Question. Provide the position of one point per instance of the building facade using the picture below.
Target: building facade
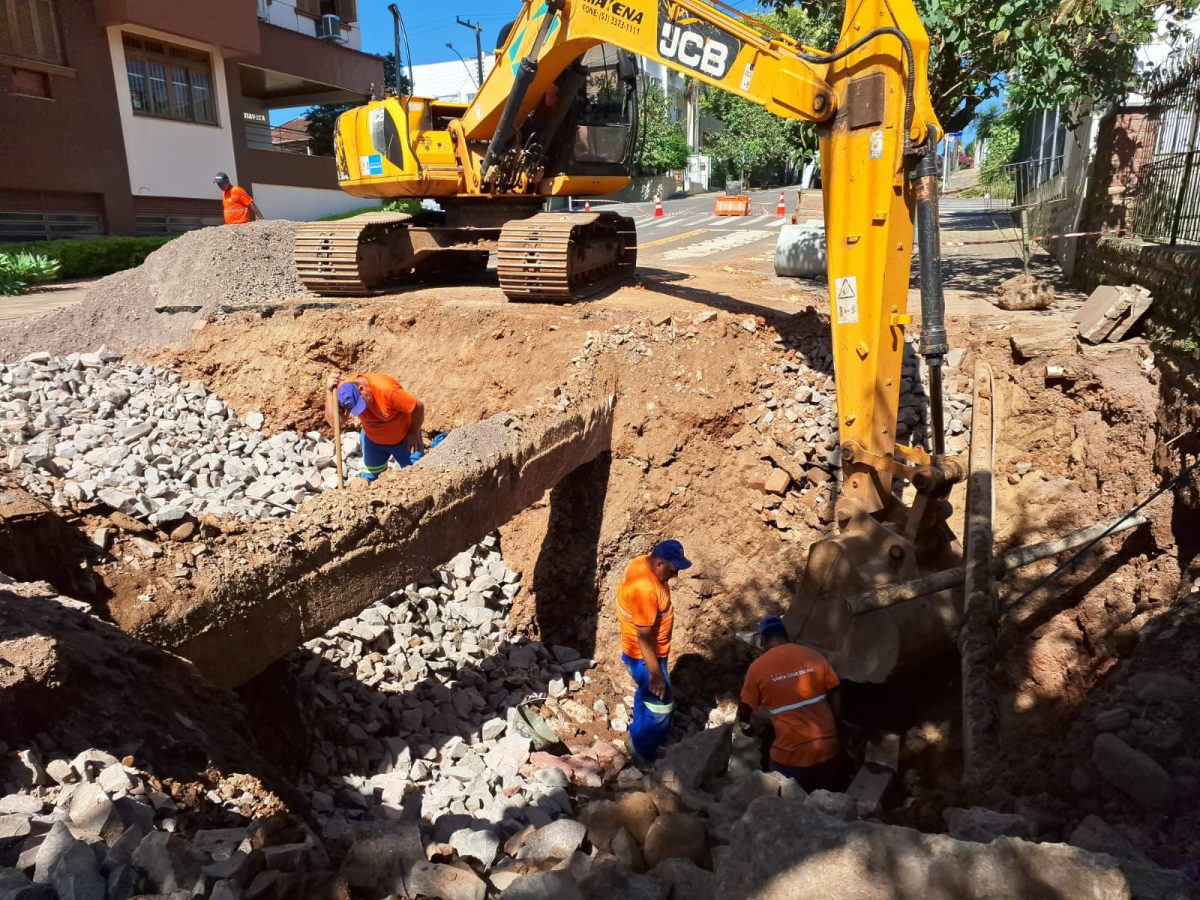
(117, 112)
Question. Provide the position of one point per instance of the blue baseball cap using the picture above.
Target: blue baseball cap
(351, 400)
(769, 624)
(672, 552)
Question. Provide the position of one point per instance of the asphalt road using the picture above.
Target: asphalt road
(689, 230)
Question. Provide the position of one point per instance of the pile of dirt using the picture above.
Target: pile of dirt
(187, 280)
(70, 682)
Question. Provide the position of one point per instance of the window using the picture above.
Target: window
(29, 30)
(346, 10)
(169, 82)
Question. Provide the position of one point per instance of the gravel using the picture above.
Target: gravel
(189, 279)
(89, 427)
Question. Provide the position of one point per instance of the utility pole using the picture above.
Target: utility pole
(478, 29)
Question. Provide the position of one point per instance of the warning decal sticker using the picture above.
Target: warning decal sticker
(847, 300)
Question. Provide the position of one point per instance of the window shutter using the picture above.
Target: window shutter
(47, 31)
(348, 10)
(309, 7)
(24, 34)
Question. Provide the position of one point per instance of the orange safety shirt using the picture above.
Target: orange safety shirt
(236, 204)
(791, 682)
(643, 600)
(388, 415)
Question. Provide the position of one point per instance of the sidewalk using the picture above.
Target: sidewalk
(46, 298)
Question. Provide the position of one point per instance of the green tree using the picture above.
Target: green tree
(754, 137)
(322, 120)
(1042, 53)
(663, 145)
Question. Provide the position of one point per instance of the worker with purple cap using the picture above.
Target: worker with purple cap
(647, 620)
(794, 688)
(391, 419)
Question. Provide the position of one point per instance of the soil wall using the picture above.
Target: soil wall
(1173, 275)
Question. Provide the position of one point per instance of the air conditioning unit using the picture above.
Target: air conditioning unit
(329, 28)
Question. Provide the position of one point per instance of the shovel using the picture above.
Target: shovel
(337, 443)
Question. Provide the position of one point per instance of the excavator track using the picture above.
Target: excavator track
(559, 257)
(338, 258)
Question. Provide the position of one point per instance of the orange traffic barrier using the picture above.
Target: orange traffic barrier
(781, 207)
(587, 205)
(732, 206)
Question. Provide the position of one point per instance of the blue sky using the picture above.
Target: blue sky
(431, 25)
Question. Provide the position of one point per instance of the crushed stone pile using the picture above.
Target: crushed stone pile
(415, 705)
(89, 427)
(193, 277)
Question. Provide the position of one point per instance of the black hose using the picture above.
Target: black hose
(909, 81)
(1168, 486)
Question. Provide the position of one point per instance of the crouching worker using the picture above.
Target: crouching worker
(391, 419)
(795, 689)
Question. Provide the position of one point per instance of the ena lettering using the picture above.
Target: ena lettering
(632, 16)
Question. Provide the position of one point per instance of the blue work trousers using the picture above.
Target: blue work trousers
(651, 725)
(376, 456)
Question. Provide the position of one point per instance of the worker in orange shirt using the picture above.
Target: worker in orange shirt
(797, 689)
(239, 207)
(391, 419)
(647, 620)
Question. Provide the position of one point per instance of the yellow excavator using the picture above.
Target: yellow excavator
(557, 116)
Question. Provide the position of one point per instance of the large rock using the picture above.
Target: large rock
(75, 874)
(635, 812)
(684, 880)
(445, 882)
(676, 836)
(1146, 879)
(379, 863)
(1132, 772)
(170, 862)
(983, 825)
(609, 881)
(697, 759)
(543, 886)
(558, 840)
(781, 850)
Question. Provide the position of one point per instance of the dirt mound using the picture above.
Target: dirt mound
(74, 682)
(156, 304)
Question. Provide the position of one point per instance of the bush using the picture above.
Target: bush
(91, 257)
(19, 271)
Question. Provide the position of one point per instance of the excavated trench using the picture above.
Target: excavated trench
(707, 407)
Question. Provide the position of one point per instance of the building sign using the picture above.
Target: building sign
(258, 118)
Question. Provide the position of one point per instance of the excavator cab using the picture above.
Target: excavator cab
(606, 125)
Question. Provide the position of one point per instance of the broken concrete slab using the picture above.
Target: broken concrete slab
(781, 850)
(1132, 772)
(1055, 340)
(257, 596)
(1111, 312)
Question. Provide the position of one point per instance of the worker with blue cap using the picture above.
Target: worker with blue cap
(647, 620)
(391, 419)
(795, 689)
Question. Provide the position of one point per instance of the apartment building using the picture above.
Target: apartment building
(116, 113)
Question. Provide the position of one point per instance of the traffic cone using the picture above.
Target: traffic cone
(658, 210)
(781, 207)
(587, 205)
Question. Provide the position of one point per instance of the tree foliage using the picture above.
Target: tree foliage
(322, 120)
(1043, 53)
(754, 137)
(662, 146)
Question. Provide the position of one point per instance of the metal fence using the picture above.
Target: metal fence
(1166, 203)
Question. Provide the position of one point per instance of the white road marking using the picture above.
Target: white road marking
(729, 241)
